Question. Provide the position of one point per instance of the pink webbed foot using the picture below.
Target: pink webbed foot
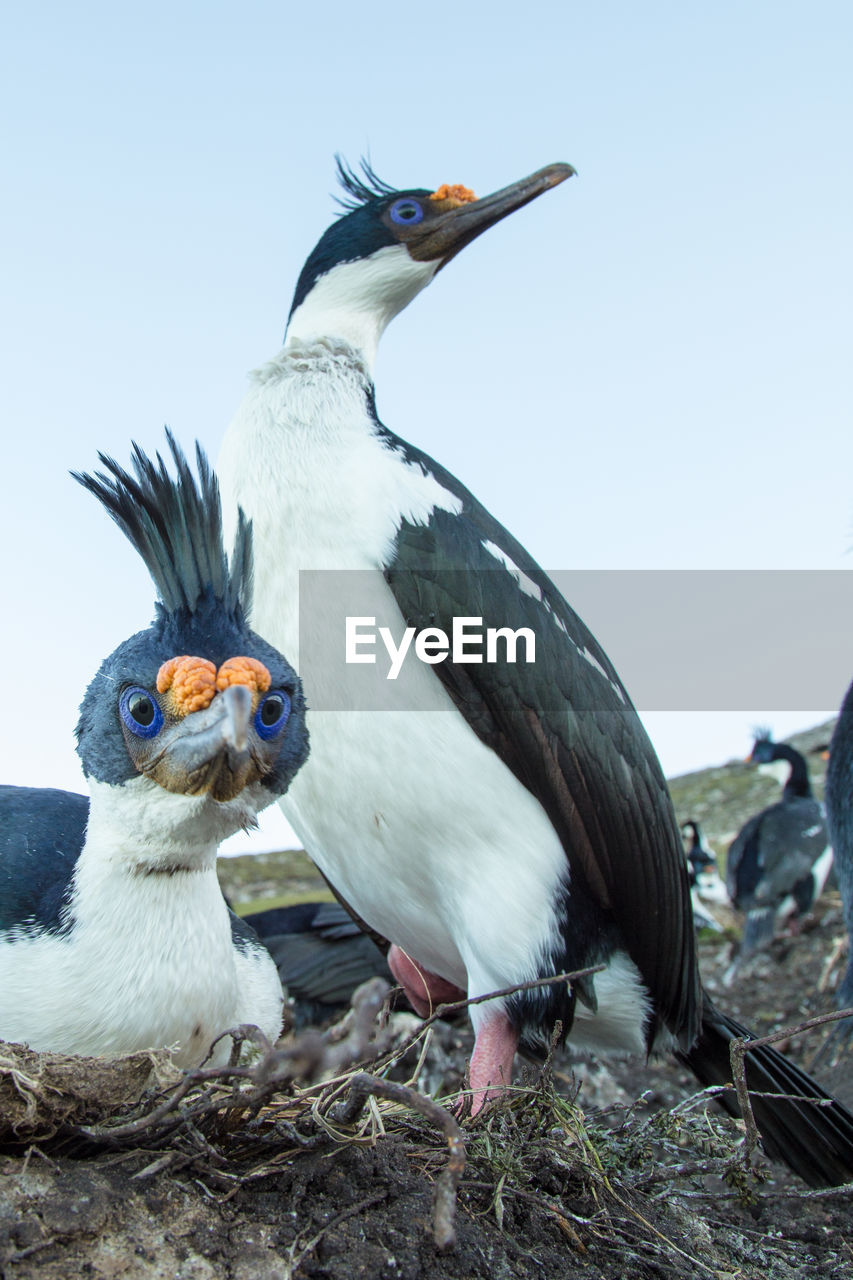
(490, 1072)
(425, 991)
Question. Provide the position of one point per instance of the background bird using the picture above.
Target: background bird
(703, 877)
(114, 934)
(506, 820)
(778, 862)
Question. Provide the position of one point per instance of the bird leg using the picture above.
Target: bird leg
(490, 1072)
(424, 990)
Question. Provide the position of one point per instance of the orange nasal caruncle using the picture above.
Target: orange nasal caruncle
(454, 193)
(192, 683)
(247, 671)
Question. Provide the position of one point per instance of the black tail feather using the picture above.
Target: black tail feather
(324, 971)
(815, 1140)
(321, 956)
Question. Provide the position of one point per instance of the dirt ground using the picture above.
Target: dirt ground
(598, 1185)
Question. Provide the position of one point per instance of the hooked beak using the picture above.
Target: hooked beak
(444, 236)
(208, 751)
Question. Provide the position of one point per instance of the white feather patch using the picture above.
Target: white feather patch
(148, 961)
(527, 585)
(356, 301)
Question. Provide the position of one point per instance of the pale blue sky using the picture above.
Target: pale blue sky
(647, 368)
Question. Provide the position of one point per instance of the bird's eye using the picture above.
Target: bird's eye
(406, 212)
(140, 712)
(271, 715)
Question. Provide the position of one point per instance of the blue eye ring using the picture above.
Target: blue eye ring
(140, 712)
(407, 212)
(272, 714)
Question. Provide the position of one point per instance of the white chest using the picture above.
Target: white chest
(149, 962)
(321, 489)
(416, 822)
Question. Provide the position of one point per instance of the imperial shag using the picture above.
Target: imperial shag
(114, 935)
(703, 877)
(778, 862)
(518, 824)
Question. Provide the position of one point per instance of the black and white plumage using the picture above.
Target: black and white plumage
(518, 824)
(839, 815)
(321, 954)
(114, 935)
(699, 857)
(778, 862)
(703, 877)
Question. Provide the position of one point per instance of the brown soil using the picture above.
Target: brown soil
(603, 1186)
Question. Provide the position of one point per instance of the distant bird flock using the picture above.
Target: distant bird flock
(496, 820)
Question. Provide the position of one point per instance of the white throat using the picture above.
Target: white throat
(356, 301)
(138, 826)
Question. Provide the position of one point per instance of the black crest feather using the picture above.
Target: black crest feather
(176, 526)
(359, 188)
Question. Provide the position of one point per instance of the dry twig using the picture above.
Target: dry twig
(741, 1046)
(364, 1086)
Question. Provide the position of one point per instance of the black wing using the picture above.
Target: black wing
(793, 836)
(743, 865)
(42, 832)
(321, 955)
(566, 728)
(775, 851)
(326, 919)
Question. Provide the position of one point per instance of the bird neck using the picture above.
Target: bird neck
(138, 828)
(798, 784)
(144, 898)
(356, 301)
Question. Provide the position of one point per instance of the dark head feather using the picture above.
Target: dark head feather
(176, 526)
(359, 189)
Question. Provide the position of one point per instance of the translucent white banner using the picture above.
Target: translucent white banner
(680, 641)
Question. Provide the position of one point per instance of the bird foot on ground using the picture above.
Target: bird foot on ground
(490, 1072)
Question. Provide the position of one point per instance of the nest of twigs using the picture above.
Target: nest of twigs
(43, 1094)
(235, 1124)
(232, 1123)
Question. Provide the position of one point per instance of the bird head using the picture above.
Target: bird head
(196, 705)
(763, 747)
(388, 245)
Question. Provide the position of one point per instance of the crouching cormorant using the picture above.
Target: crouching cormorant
(703, 877)
(778, 862)
(114, 934)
